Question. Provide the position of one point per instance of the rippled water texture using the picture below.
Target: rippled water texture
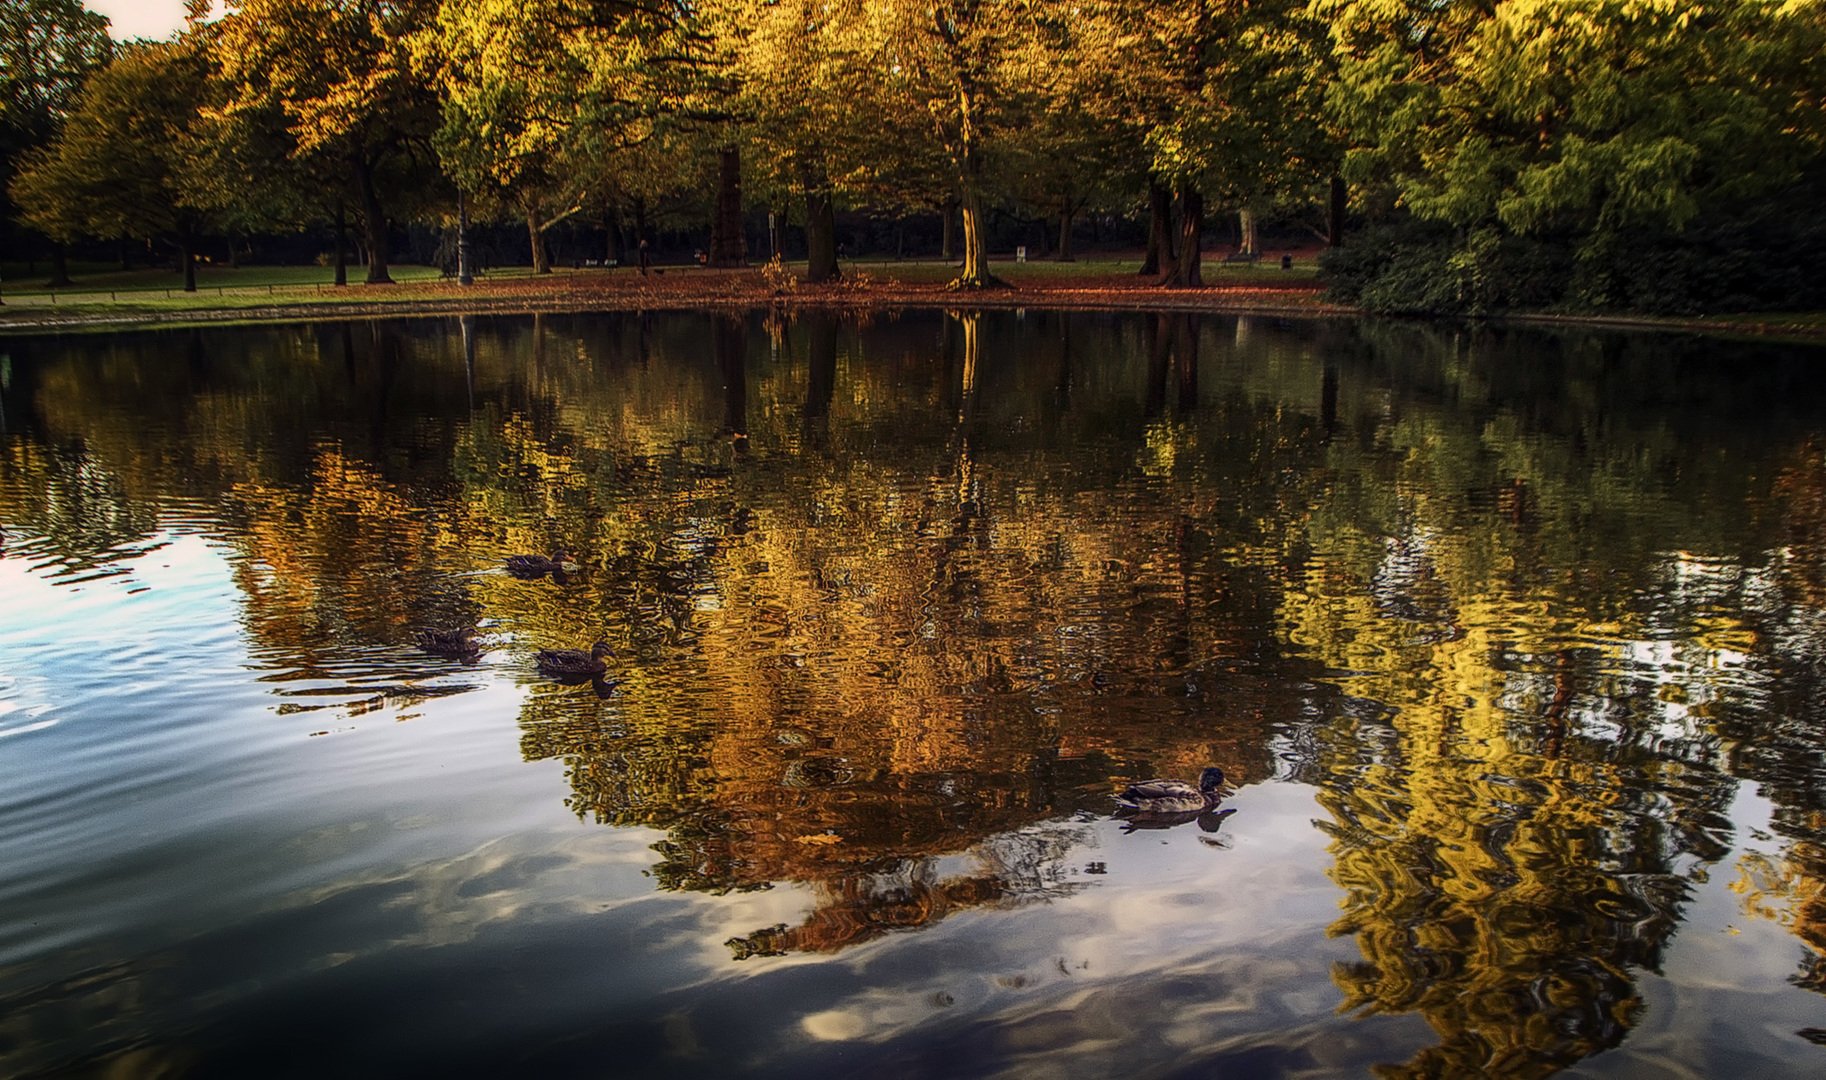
(1511, 643)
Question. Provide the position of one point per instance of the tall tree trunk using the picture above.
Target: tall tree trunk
(542, 260)
(611, 243)
(728, 246)
(820, 225)
(948, 243)
(1160, 231)
(773, 234)
(975, 272)
(375, 224)
(1066, 211)
(342, 244)
(60, 266)
(1334, 217)
(1245, 232)
(187, 252)
(234, 256)
(1186, 271)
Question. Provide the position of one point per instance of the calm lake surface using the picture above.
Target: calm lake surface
(1513, 645)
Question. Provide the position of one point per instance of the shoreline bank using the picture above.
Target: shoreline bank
(689, 289)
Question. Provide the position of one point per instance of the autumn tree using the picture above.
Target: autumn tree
(963, 75)
(339, 72)
(543, 101)
(1215, 91)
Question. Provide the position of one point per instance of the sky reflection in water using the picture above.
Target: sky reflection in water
(1511, 642)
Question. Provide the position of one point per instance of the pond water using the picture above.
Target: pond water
(1512, 645)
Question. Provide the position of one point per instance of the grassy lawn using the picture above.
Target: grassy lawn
(106, 289)
(1810, 319)
(1216, 272)
(91, 279)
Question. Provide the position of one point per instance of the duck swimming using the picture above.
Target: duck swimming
(1174, 796)
(574, 661)
(458, 644)
(532, 566)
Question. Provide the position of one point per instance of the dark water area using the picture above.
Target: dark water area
(1512, 645)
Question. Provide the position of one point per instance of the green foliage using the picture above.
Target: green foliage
(1619, 147)
(119, 168)
(47, 49)
(1426, 268)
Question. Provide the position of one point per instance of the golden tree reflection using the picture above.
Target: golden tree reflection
(888, 597)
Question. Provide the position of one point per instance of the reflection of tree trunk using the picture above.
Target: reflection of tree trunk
(342, 244)
(730, 341)
(1160, 354)
(1186, 270)
(1328, 401)
(1185, 361)
(348, 352)
(1160, 231)
(821, 379)
(728, 246)
(972, 351)
(375, 222)
(820, 223)
(959, 348)
(1062, 385)
(467, 324)
(387, 363)
(1564, 690)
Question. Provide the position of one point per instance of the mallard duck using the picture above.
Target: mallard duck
(459, 643)
(561, 562)
(1174, 796)
(574, 661)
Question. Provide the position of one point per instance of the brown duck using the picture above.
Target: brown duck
(458, 644)
(1174, 796)
(530, 566)
(574, 662)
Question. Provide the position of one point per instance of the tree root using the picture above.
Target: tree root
(976, 284)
